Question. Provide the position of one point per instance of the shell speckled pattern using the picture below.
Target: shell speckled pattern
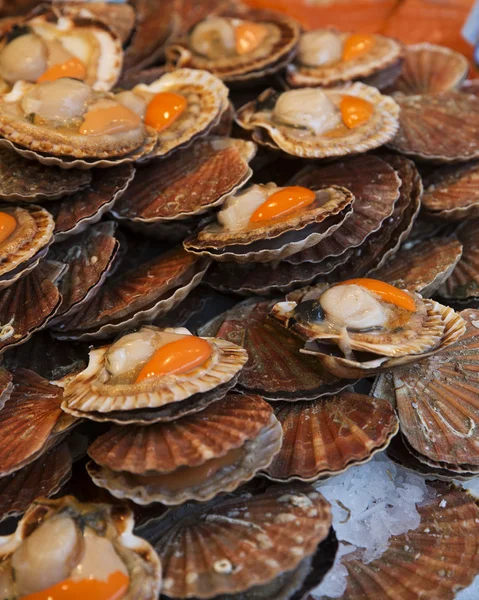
(429, 69)
(440, 127)
(189, 183)
(136, 296)
(275, 239)
(440, 555)
(112, 523)
(422, 267)
(384, 54)
(451, 193)
(275, 369)
(223, 527)
(327, 436)
(257, 117)
(268, 58)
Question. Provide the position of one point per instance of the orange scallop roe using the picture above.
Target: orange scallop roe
(7, 226)
(164, 109)
(73, 68)
(114, 588)
(248, 36)
(355, 111)
(282, 203)
(358, 45)
(177, 357)
(109, 121)
(385, 291)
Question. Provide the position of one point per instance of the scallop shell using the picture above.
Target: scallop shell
(136, 296)
(256, 116)
(44, 477)
(23, 180)
(276, 239)
(112, 522)
(451, 193)
(441, 127)
(423, 267)
(89, 257)
(327, 436)
(275, 369)
(224, 526)
(189, 183)
(440, 555)
(120, 18)
(385, 54)
(74, 214)
(258, 441)
(429, 69)
(6, 386)
(275, 53)
(207, 100)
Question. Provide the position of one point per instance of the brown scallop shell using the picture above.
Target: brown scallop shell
(381, 128)
(136, 296)
(77, 212)
(442, 127)
(23, 180)
(385, 54)
(451, 193)
(120, 18)
(44, 477)
(89, 257)
(245, 67)
(327, 436)
(440, 556)
(189, 183)
(6, 386)
(429, 69)
(276, 240)
(276, 370)
(422, 267)
(201, 547)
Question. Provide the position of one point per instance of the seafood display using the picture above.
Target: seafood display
(238, 258)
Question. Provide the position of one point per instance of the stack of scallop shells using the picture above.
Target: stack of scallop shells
(236, 258)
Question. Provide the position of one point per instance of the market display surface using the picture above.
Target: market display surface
(239, 308)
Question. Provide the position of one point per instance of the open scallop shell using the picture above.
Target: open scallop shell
(272, 55)
(120, 18)
(207, 100)
(327, 436)
(440, 555)
(451, 193)
(429, 69)
(385, 54)
(275, 240)
(224, 526)
(189, 183)
(275, 369)
(441, 127)
(257, 117)
(115, 523)
(422, 267)
(244, 424)
(136, 296)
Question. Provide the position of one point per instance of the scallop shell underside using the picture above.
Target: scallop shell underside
(463, 284)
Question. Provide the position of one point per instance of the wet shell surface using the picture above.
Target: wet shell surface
(247, 436)
(422, 267)
(120, 18)
(429, 69)
(270, 56)
(189, 183)
(325, 437)
(257, 116)
(113, 523)
(441, 554)
(385, 53)
(6, 386)
(224, 526)
(451, 193)
(275, 239)
(440, 127)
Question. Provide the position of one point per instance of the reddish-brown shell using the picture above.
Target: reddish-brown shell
(326, 436)
(463, 284)
(6, 386)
